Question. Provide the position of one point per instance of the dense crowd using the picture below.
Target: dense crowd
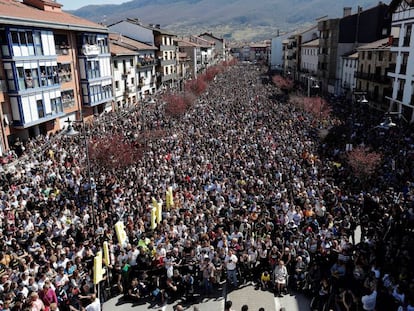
(253, 202)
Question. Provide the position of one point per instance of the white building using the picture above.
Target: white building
(402, 73)
(133, 65)
(349, 69)
(309, 57)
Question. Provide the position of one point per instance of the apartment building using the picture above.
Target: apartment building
(291, 56)
(133, 70)
(166, 53)
(374, 60)
(189, 51)
(402, 71)
(349, 72)
(340, 36)
(54, 66)
(207, 51)
(220, 49)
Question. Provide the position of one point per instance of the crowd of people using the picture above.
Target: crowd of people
(255, 200)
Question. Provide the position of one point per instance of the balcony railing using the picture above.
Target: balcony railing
(90, 50)
(383, 79)
(362, 75)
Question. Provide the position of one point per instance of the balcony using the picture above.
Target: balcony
(145, 63)
(168, 62)
(362, 75)
(382, 79)
(90, 50)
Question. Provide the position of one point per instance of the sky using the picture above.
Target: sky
(76, 4)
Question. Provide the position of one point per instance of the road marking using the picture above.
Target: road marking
(277, 303)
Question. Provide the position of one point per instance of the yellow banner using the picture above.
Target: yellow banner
(106, 253)
(97, 268)
(120, 233)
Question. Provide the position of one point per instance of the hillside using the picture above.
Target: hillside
(233, 19)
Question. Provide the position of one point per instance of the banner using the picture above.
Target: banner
(158, 210)
(169, 199)
(106, 253)
(120, 233)
(97, 268)
(153, 217)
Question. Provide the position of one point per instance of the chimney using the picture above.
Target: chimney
(359, 9)
(157, 26)
(347, 11)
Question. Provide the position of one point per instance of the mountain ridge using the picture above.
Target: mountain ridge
(240, 20)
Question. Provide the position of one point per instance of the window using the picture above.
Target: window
(380, 55)
(369, 55)
(131, 62)
(40, 108)
(64, 72)
(22, 41)
(115, 64)
(49, 75)
(363, 55)
(92, 69)
(56, 105)
(68, 99)
(117, 85)
(61, 44)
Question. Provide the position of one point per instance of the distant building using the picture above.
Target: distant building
(56, 66)
(153, 35)
(340, 36)
(373, 62)
(133, 70)
(402, 71)
(220, 48)
(349, 71)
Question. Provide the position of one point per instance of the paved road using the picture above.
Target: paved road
(243, 295)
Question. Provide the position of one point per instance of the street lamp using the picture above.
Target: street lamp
(71, 132)
(312, 83)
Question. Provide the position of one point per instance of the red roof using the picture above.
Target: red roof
(17, 13)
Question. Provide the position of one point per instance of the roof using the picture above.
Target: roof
(381, 44)
(311, 43)
(18, 13)
(206, 34)
(120, 50)
(129, 43)
(351, 54)
(182, 42)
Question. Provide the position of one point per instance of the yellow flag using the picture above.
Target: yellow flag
(158, 210)
(120, 233)
(153, 216)
(97, 268)
(106, 253)
(169, 199)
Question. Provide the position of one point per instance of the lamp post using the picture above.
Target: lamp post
(71, 132)
(312, 83)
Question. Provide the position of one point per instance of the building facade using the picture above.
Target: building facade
(373, 62)
(55, 66)
(402, 71)
(133, 70)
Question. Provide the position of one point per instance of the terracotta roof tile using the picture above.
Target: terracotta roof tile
(17, 13)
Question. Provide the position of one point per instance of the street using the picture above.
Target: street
(247, 294)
